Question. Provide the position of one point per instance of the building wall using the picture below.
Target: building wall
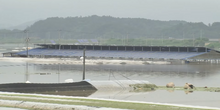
(209, 55)
(128, 48)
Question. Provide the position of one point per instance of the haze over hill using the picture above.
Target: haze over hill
(22, 26)
(115, 19)
(111, 27)
(16, 12)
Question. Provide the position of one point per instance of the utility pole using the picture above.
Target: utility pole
(59, 73)
(146, 41)
(59, 38)
(183, 36)
(84, 64)
(27, 74)
(151, 41)
(27, 41)
(193, 39)
(49, 37)
(201, 34)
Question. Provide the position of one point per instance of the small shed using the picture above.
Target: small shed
(9, 54)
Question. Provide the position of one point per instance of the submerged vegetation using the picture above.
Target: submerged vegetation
(210, 89)
(144, 87)
(150, 87)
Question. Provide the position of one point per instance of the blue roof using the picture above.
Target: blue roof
(111, 53)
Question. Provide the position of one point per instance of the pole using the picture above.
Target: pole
(146, 42)
(151, 41)
(27, 74)
(27, 49)
(59, 73)
(84, 64)
(201, 34)
(193, 39)
(59, 38)
(27, 41)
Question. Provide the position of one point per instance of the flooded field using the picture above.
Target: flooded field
(43, 72)
(200, 75)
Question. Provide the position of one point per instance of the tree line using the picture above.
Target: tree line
(107, 27)
(111, 27)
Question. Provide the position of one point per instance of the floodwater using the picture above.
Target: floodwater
(200, 75)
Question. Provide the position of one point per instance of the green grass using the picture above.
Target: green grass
(90, 102)
(106, 103)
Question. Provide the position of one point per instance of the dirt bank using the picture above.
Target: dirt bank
(78, 61)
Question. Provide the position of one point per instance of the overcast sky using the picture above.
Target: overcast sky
(19, 11)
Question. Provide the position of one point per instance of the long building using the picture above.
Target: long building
(123, 52)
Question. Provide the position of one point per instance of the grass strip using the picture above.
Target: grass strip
(92, 102)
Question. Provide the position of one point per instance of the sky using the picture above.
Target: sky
(15, 12)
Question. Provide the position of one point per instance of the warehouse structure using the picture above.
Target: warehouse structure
(123, 52)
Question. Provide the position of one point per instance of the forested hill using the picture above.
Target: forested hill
(110, 27)
(106, 26)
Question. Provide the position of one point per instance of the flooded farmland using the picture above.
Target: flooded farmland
(201, 75)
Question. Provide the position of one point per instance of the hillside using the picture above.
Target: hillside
(110, 27)
(96, 26)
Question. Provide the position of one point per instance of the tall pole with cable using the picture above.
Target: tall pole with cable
(27, 41)
(84, 64)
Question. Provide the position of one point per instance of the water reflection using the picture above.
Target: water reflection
(196, 98)
(200, 75)
(187, 92)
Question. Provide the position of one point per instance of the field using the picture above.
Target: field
(51, 102)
